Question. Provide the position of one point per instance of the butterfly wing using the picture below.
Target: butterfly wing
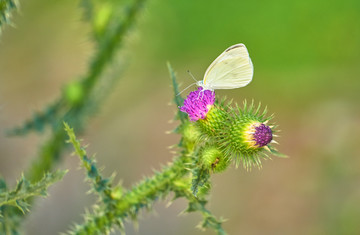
(232, 69)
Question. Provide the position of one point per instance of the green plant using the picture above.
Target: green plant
(216, 135)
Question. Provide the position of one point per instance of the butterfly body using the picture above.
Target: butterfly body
(231, 69)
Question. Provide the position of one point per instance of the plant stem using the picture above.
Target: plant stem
(142, 195)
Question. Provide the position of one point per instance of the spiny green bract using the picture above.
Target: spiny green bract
(215, 121)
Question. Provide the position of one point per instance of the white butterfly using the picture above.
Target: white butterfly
(231, 69)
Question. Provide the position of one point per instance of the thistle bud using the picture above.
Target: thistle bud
(74, 93)
(191, 135)
(249, 136)
(214, 159)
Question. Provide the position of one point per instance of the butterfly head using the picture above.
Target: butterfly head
(200, 83)
(204, 86)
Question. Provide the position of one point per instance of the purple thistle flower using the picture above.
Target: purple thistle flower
(258, 135)
(198, 103)
(262, 135)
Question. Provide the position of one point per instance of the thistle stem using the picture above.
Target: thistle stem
(142, 195)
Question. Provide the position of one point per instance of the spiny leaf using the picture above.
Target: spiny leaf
(201, 176)
(39, 120)
(100, 185)
(63, 109)
(209, 220)
(177, 98)
(6, 9)
(24, 189)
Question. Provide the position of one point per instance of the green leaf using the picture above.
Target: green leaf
(201, 176)
(177, 98)
(6, 10)
(24, 190)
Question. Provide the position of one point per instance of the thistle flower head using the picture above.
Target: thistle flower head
(198, 103)
(258, 134)
(249, 137)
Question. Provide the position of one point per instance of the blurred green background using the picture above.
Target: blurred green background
(306, 56)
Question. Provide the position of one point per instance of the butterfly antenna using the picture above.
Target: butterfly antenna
(191, 75)
(186, 88)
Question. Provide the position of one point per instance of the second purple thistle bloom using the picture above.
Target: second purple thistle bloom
(262, 135)
(198, 103)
